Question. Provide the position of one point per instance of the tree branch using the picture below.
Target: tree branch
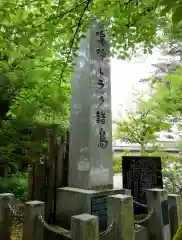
(25, 4)
(62, 15)
(132, 24)
(173, 182)
(74, 37)
(135, 122)
(131, 133)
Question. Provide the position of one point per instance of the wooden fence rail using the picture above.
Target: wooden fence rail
(165, 216)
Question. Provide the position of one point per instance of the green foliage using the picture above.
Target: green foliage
(43, 29)
(16, 184)
(172, 6)
(38, 41)
(31, 42)
(34, 89)
(117, 164)
(168, 95)
(117, 161)
(178, 235)
(141, 124)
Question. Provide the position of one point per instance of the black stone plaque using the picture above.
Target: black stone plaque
(139, 174)
(165, 213)
(99, 208)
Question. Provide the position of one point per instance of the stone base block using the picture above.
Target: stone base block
(74, 201)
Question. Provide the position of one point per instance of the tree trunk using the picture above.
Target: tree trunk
(142, 149)
(50, 175)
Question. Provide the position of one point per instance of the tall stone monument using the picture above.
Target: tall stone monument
(90, 156)
(90, 177)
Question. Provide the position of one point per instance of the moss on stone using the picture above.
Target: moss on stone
(178, 235)
(101, 187)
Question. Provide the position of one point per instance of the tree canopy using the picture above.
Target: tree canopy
(39, 40)
(142, 123)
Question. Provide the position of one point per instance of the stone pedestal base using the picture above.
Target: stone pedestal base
(74, 201)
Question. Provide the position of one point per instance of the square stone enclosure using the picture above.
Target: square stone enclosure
(74, 201)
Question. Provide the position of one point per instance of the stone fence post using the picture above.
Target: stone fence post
(84, 227)
(175, 212)
(5, 216)
(158, 223)
(32, 228)
(120, 210)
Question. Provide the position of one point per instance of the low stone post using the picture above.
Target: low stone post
(175, 212)
(158, 223)
(5, 216)
(33, 229)
(84, 227)
(120, 210)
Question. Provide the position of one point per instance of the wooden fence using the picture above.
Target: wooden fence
(45, 177)
(164, 218)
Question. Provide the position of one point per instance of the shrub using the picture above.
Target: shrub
(16, 184)
(117, 164)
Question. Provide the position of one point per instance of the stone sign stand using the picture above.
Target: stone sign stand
(158, 223)
(32, 229)
(175, 212)
(5, 215)
(120, 211)
(84, 227)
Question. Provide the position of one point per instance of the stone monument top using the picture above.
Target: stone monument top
(90, 154)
